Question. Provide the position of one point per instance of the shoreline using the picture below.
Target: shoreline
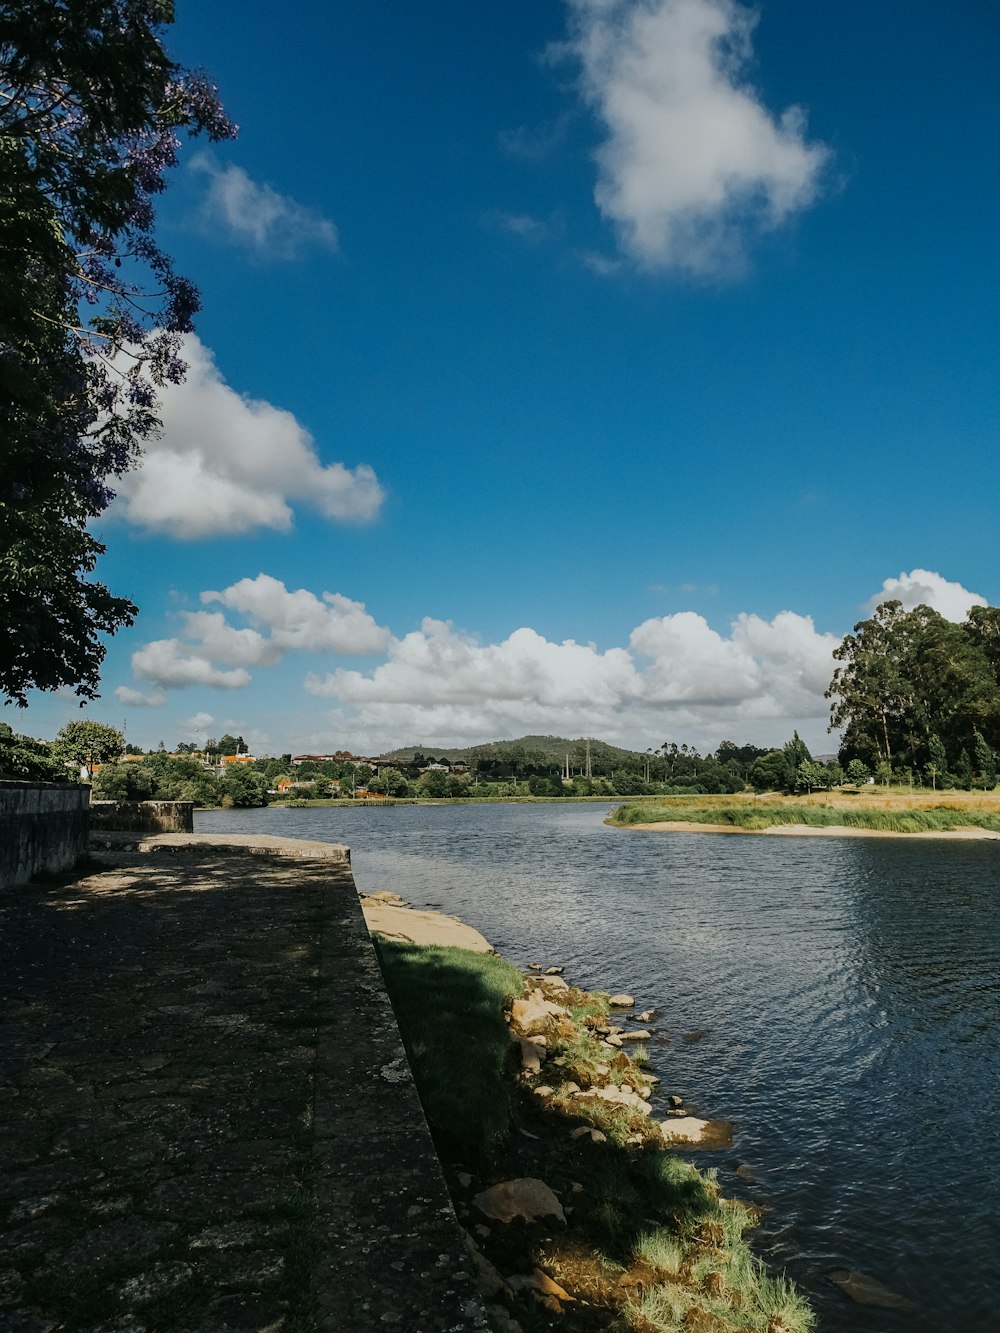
(966, 833)
(598, 1134)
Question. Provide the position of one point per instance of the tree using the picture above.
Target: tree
(88, 743)
(92, 312)
(435, 783)
(984, 761)
(124, 782)
(858, 772)
(24, 759)
(963, 769)
(236, 745)
(937, 764)
(240, 788)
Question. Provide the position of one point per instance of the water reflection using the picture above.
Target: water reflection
(847, 992)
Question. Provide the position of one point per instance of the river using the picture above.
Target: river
(846, 992)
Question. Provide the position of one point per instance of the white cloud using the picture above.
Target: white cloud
(436, 665)
(681, 678)
(692, 160)
(225, 463)
(197, 723)
(292, 621)
(257, 217)
(297, 621)
(125, 694)
(171, 663)
(922, 587)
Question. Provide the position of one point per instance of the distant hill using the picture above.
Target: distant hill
(530, 749)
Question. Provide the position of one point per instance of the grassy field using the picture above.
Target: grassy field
(886, 810)
(649, 1244)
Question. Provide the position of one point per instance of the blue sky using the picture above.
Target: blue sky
(599, 359)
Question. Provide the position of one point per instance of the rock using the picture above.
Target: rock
(639, 1035)
(555, 983)
(536, 1016)
(613, 1040)
(698, 1133)
(571, 1087)
(554, 971)
(531, 1055)
(617, 1097)
(868, 1290)
(675, 1102)
(744, 1172)
(464, 1179)
(535, 967)
(622, 1001)
(539, 1281)
(690, 1037)
(596, 1135)
(543, 1090)
(646, 1016)
(526, 1197)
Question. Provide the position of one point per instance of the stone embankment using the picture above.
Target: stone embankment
(208, 1119)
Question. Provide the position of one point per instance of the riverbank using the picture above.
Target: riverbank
(956, 816)
(578, 1214)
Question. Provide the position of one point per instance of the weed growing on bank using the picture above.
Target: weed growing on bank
(649, 1244)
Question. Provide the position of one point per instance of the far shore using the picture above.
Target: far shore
(968, 832)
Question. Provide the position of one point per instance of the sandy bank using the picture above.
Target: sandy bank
(970, 832)
(387, 914)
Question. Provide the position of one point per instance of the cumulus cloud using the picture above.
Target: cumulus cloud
(296, 621)
(437, 665)
(692, 160)
(133, 698)
(281, 621)
(679, 676)
(198, 722)
(257, 217)
(171, 663)
(226, 463)
(922, 587)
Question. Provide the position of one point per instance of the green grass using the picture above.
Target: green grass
(757, 815)
(641, 1205)
(450, 1007)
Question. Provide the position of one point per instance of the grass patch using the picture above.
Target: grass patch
(755, 815)
(450, 1007)
(649, 1243)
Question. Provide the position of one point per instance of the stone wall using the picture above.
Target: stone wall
(43, 828)
(142, 816)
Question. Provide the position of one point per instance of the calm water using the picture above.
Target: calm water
(847, 992)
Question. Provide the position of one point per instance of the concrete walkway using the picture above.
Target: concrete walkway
(207, 1121)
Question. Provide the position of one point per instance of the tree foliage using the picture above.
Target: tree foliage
(88, 743)
(914, 690)
(92, 313)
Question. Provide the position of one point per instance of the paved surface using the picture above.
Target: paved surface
(206, 1118)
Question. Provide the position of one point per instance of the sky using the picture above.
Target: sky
(584, 367)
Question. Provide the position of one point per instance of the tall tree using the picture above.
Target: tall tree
(92, 312)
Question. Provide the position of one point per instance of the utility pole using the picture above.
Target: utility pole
(590, 771)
